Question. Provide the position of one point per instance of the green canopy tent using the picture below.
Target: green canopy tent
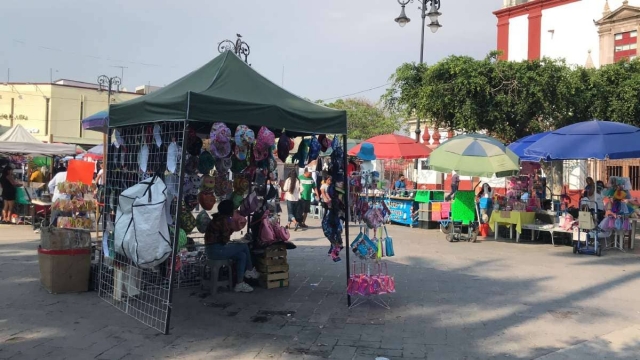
(224, 90)
(228, 90)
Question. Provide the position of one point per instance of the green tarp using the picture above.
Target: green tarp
(228, 90)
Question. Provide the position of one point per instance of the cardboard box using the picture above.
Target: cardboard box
(64, 256)
(65, 271)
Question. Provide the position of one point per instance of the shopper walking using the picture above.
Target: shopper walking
(309, 189)
(292, 197)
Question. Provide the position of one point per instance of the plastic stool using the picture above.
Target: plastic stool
(214, 266)
(315, 211)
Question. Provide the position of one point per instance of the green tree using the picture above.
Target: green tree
(508, 100)
(365, 119)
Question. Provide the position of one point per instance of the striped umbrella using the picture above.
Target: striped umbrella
(97, 122)
(474, 155)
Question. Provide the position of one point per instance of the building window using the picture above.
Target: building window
(625, 45)
(614, 171)
(634, 176)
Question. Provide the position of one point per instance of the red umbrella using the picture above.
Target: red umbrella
(393, 146)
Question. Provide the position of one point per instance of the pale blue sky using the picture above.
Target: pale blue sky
(328, 48)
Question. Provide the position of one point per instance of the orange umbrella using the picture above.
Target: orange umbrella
(392, 146)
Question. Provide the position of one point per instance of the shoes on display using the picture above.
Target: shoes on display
(251, 274)
(243, 287)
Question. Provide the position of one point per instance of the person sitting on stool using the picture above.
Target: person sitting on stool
(217, 239)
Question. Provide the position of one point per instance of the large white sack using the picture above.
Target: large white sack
(141, 231)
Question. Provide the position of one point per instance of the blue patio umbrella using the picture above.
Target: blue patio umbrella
(593, 139)
(98, 149)
(97, 122)
(520, 145)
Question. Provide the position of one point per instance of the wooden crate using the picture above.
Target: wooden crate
(274, 284)
(273, 267)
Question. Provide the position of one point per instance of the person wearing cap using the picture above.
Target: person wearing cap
(308, 186)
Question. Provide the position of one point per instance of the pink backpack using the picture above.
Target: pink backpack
(267, 235)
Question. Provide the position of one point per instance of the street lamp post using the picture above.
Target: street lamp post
(110, 84)
(434, 25)
(239, 47)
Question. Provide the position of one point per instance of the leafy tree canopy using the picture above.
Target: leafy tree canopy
(511, 99)
(366, 119)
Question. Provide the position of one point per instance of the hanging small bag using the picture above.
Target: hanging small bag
(388, 242)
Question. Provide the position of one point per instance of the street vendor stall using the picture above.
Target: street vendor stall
(471, 155)
(158, 169)
(401, 202)
(601, 140)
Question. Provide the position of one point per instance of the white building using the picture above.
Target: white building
(584, 32)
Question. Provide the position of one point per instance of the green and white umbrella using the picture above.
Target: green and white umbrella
(475, 155)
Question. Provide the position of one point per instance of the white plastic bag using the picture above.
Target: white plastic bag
(141, 232)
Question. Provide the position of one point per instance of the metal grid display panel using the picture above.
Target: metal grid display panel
(144, 294)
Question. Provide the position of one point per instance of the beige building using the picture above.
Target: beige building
(52, 112)
(618, 32)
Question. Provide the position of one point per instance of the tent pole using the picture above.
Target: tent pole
(176, 233)
(347, 211)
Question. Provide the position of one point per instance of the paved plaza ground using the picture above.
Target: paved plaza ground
(488, 300)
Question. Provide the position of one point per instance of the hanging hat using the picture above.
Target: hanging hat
(205, 162)
(191, 201)
(324, 142)
(244, 138)
(237, 165)
(208, 183)
(283, 147)
(191, 184)
(220, 140)
(223, 165)
(202, 221)
(143, 157)
(194, 144)
(240, 185)
(191, 165)
(206, 199)
(366, 152)
(223, 185)
(172, 157)
(156, 135)
(314, 148)
(264, 142)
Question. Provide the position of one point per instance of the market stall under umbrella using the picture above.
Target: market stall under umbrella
(593, 139)
(392, 146)
(474, 155)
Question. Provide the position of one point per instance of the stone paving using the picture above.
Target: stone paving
(488, 300)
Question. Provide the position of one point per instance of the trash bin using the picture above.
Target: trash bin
(64, 256)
